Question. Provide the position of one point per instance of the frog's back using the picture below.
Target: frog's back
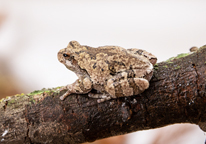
(108, 60)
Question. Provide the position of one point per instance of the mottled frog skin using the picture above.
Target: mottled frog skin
(111, 70)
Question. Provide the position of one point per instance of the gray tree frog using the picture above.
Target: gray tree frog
(111, 70)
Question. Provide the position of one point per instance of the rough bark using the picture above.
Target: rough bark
(176, 95)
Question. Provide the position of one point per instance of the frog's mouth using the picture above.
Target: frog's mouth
(69, 65)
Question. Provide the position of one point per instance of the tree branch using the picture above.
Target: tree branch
(176, 95)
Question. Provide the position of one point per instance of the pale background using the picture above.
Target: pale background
(32, 32)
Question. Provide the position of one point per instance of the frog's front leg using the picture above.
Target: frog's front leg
(80, 86)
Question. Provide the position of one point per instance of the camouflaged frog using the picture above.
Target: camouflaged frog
(111, 70)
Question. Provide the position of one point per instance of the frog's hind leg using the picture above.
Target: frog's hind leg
(126, 86)
(140, 52)
(101, 96)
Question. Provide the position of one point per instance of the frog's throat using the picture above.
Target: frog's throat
(76, 69)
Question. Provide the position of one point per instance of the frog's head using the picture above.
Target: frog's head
(66, 56)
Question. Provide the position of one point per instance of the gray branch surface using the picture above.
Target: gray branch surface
(176, 95)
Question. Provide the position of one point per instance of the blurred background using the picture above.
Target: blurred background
(32, 32)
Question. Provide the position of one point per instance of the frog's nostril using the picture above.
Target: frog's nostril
(59, 56)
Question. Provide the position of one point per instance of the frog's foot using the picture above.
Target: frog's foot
(101, 96)
(65, 95)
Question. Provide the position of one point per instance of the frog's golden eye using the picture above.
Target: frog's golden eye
(65, 55)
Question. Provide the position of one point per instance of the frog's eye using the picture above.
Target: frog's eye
(65, 55)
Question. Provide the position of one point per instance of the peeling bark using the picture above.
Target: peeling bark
(176, 95)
